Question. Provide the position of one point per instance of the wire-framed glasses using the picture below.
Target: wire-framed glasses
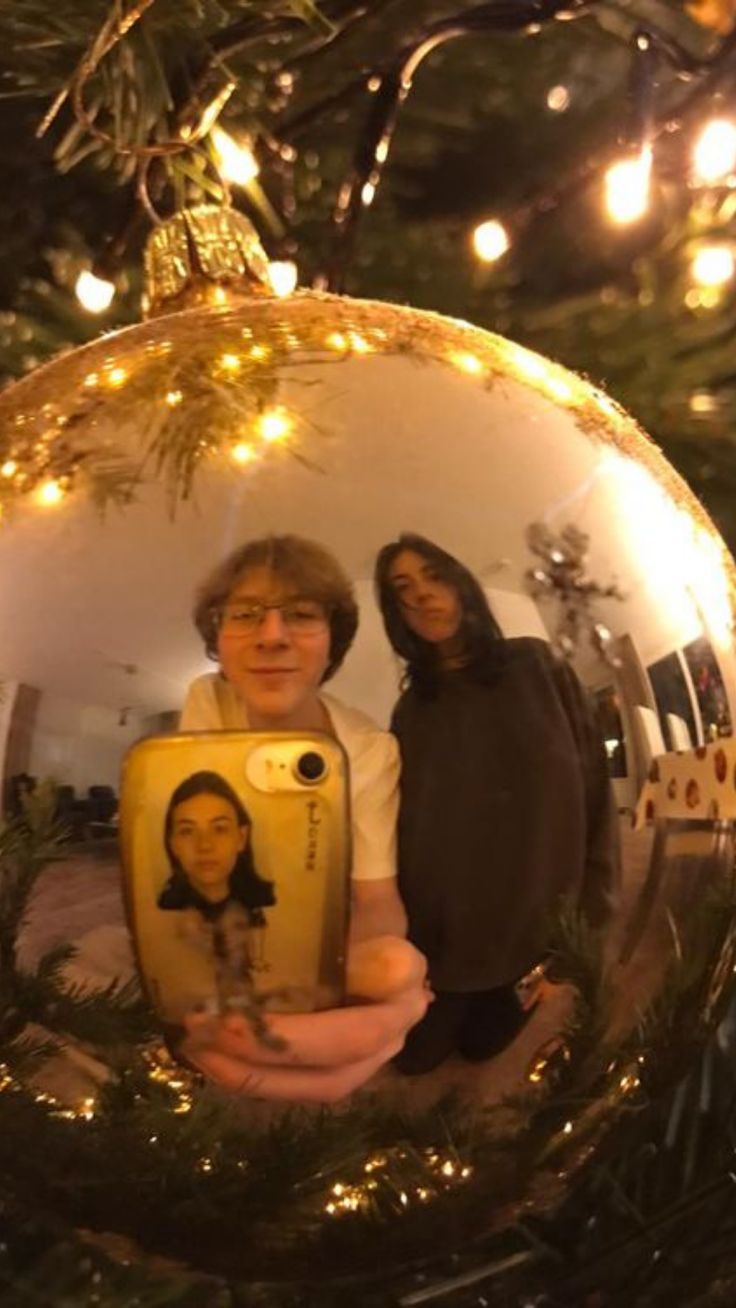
(242, 617)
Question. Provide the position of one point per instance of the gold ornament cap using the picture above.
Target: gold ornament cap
(203, 256)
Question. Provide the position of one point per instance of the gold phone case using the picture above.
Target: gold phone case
(236, 851)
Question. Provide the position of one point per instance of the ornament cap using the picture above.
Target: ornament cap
(203, 256)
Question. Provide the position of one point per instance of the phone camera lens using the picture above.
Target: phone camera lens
(310, 767)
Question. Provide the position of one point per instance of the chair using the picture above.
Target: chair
(102, 806)
(103, 803)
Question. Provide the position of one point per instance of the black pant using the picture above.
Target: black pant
(477, 1024)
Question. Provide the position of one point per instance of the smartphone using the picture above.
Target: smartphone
(236, 858)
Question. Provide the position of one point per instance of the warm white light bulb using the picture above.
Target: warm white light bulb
(714, 153)
(273, 424)
(49, 492)
(236, 162)
(95, 294)
(243, 452)
(558, 99)
(283, 276)
(713, 265)
(627, 187)
(490, 240)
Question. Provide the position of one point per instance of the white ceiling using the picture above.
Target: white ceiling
(401, 447)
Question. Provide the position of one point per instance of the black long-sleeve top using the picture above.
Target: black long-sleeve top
(506, 805)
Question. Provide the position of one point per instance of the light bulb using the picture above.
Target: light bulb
(273, 424)
(714, 153)
(95, 294)
(236, 162)
(243, 452)
(558, 99)
(490, 241)
(627, 187)
(49, 492)
(713, 265)
(282, 275)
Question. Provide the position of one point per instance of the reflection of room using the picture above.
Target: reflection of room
(674, 702)
(120, 591)
(79, 746)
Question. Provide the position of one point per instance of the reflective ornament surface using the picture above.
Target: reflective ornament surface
(131, 467)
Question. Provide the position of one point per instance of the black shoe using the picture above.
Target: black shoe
(494, 1020)
(433, 1039)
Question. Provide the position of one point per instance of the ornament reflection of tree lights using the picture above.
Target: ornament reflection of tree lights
(216, 369)
(209, 256)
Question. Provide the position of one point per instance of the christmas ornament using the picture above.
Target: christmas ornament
(239, 413)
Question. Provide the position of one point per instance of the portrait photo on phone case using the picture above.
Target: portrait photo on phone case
(236, 850)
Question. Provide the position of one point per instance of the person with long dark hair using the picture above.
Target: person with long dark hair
(506, 805)
(207, 837)
(214, 883)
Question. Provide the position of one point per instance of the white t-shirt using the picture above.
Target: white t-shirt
(212, 705)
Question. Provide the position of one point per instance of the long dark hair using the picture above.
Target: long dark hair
(246, 886)
(483, 641)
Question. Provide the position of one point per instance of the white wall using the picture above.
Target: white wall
(80, 745)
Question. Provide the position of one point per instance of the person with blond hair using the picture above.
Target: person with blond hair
(279, 615)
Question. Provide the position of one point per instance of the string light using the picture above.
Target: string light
(700, 402)
(558, 99)
(629, 1081)
(627, 186)
(337, 341)
(490, 240)
(9, 468)
(116, 377)
(438, 1174)
(49, 493)
(713, 265)
(243, 453)
(173, 398)
(273, 424)
(467, 362)
(283, 275)
(714, 153)
(231, 363)
(95, 294)
(236, 162)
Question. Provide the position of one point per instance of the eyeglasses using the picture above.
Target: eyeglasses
(301, 616)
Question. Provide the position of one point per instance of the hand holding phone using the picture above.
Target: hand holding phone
(323, 1056)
